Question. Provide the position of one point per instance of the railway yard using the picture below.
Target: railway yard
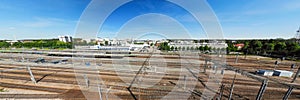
(142, 76)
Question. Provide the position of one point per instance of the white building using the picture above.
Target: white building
(188, 43)
(111, 42)
(65, 38)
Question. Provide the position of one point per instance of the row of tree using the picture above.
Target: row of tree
(4, 44)
(272, 47)
(51, 44)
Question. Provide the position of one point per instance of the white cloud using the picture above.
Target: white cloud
(292, 5)
(11, 28)
(40, 22)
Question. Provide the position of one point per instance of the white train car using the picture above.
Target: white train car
(283, 73)
(265, 72)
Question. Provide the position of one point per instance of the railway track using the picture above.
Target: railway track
(65, 75)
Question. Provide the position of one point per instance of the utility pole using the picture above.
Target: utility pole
(107, 92)
(184, 81)
(31, 75)
(262, 89)
(205, 65)
(100, 91)
(246, 54)
(289, 92)
(231, 88)
(221, 91)
(236, 58)
(297, 36)
(296, 75)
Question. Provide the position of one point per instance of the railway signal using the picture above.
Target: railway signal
(222, 71)
(292, 67)
(276, 65)
(86, 79)
(216, 69)
(282, 58)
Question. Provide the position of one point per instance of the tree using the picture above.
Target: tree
(206, 48)
(223, 49)
(231, 48)
(197, 48)
(176, 49)
(92, 43)
(280, 46)
(201, 48)
(214, 49)
(172, 48)
(84, 42)
(168, 48)
(201, 41)
(4, 44)
(195, 41)
(245, 49)
(292, 46)
(164, 46)
(62, 45)
(209, 49)
(18, 45)
(151, 44)
(183, 48)
(192, 48)
(40, 44)
(257, 45)
(268, 47)
(106, 43)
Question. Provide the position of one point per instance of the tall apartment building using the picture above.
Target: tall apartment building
(65, 38)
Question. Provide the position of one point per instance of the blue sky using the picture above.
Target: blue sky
(240, 19)
(160, 17)
(26, 19)
(258, 18)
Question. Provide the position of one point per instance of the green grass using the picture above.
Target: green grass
(3, 90)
